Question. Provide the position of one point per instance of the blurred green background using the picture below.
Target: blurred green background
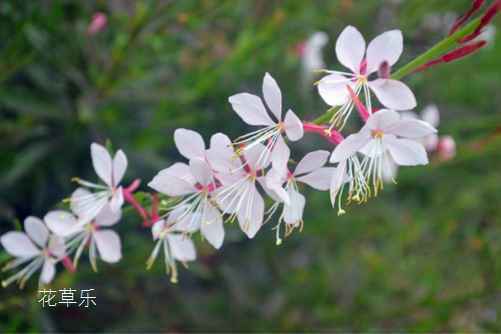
(423, 256)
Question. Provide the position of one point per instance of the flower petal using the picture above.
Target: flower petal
(349, 146)
(258, 156)
(338, 180)
(56, 246)
(273, 185)
(411, 128)
(406, 152)
(280, 155)
(332, 89)
(48, 271)
(250, 215)
(36, 230)
(101, 160)
(201, 171)
(212, 227)
(87, 205)
(19, 245)
(181, 247)
(62, 223)
(189, 143)
(157, 228)
(221, 155)
(109, 246)
(382, 120)
(393, 94)
(250, 108)
(386, 47)
(350, 48)
(119, 167)
(272, 96)
(431, 115)
(293, 213)
(174, 181)
(117, 200)
(319, 179)
(293, 126)
(311, 161)
(108, 217)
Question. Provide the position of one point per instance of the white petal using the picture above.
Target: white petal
(293, 126)
(390, 168)
(201, 171)
(157, 228)
(108, 217)
(87, 205)
(382, 120)
(386, 47)
(109, 246)
(48, 271)
(181, 247)
(332, 89)
(189, 143)
(250, 215)
(101, 160)
(182, 220)
(431, 115)
(117, 200)
(350, 48)
(348, 147)
(293, 213)
(250, 108)
(212, 227)
(393, 94)
(406, 152)
(272, 96)
(273, 185)
(338, 180)
(221, 155)
(173, 181)
(18, 244)
(78, 203)
(319, 179)
(258, 156)
(36, 230)
(311, 161)
(410, 128)
(62, 223)
(56, 246)
(280, 155)
(119, 167)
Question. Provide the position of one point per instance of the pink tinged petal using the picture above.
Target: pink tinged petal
(119, 167)
(406, 152)
(56, 246)
(339, 178)
(293, 126)
(386, 47)
(48, 271)
(189, 143)
(293, 213)
(117, 200)
(221, 155)
(108, 217)
(157, 228)
(62, 223)
(181, 247)
(332, 89)
(78, 201)
(212, 227)
(349, 146)
(350, 48)
(410, 128)
(311, 161)
(431, 115)
(430, 142)
(174, 181)
(280, 155)
(273, 186)
(36, 230)
(201, 171)
(393, 94)
(319, 179)
(272, 96)
(18, 244)
(101, 160)
(382, 120)
(250, 108)
(258, 156)
(109, 246)
(250, 215)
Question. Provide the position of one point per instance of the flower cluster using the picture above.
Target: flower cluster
(252, 179)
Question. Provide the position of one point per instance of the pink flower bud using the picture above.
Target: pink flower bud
(97, 24)
(446, 148)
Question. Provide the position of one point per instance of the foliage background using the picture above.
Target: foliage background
(423, 256)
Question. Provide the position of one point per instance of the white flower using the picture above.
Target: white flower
(36, 247)
(251, 110)
(312, 58)
(385, 134)
(102, 242)
(351, 53)
(238, 194)
(282, 186)
(176, 245)
(195, 184)
(111, 172)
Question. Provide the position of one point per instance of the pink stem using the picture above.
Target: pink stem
(129, 198)
(362, 111)
(332, 136)
(68, 264)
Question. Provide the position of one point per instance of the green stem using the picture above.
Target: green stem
(437, 50)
